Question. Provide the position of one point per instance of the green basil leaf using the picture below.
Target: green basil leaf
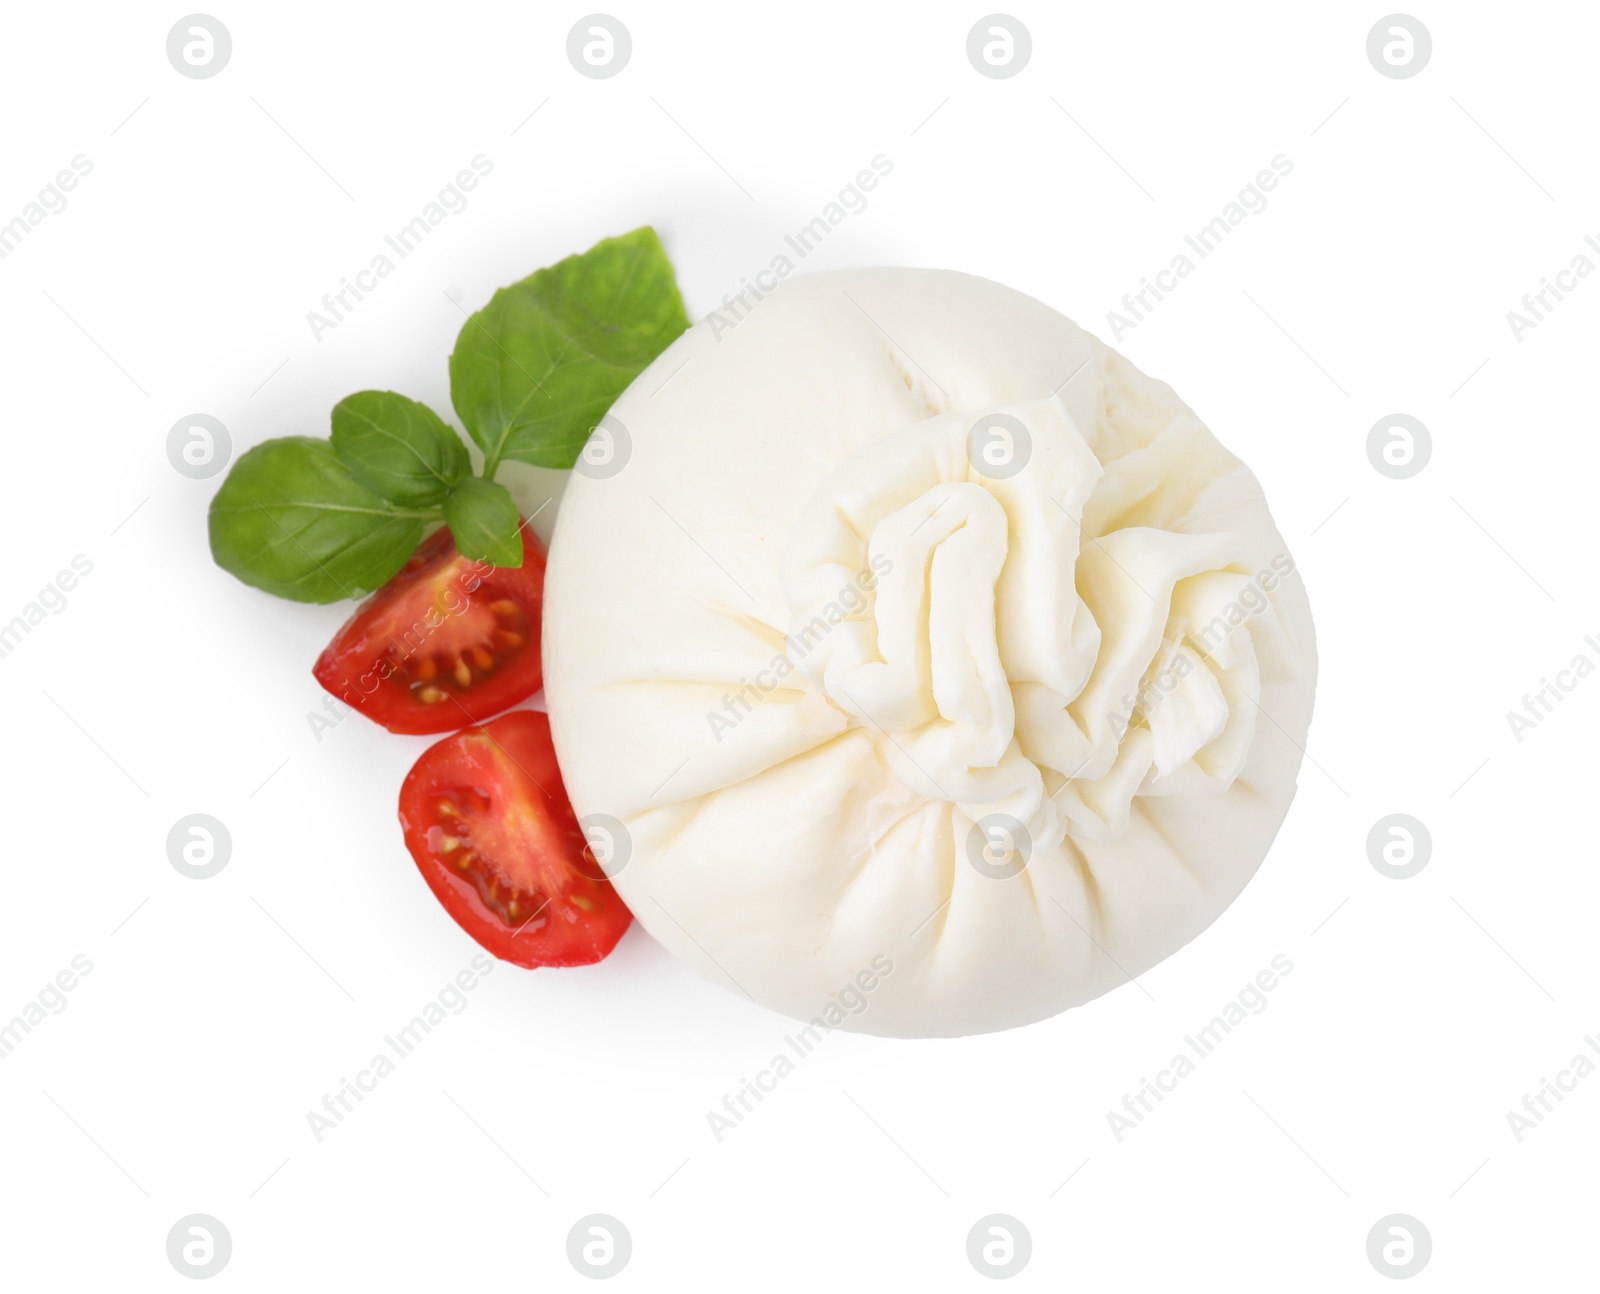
(291, 519)
(397, 448)
(537, 368)
(483, 521)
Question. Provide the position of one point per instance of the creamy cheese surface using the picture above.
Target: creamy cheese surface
(904, 623)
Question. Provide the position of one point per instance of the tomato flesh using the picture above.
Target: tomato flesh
(445, 643)
(488, 822)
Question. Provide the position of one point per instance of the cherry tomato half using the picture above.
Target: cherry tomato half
(487, 820)
(447, 642)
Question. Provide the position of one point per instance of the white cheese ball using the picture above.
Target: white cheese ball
(916, 664)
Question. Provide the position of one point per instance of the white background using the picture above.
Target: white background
(1378, 280)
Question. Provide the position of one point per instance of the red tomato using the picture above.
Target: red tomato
(445, 643)
(487, 819)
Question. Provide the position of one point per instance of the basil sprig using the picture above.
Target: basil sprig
(530, 376)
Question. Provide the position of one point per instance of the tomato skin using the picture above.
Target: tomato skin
(488, 823)
(447, 642)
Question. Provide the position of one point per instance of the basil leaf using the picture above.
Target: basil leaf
(537, 368)
(483, 521)
(291, 519)
(397, 448)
